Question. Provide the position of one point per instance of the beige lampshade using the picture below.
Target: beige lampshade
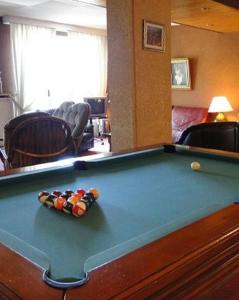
(220, 104)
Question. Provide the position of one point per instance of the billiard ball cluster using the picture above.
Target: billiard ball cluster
(76, 203)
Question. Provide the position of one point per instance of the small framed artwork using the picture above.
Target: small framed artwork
(154, 36)
(180, 74)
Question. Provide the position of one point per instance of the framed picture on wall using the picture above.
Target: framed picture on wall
(154, 36)
(180, 74)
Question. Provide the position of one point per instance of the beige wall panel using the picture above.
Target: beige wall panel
(139, 80)
(152, 69)
(214, 63)
(121, 74)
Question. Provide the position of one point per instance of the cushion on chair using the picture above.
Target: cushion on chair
(61, 111)
(184, 117)
(77, 116)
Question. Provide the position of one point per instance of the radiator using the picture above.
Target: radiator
(6, 114)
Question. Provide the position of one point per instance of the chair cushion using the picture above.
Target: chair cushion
(76, 116)
(61, 111)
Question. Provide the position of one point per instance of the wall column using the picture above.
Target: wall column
(138, 79)
(5, 59)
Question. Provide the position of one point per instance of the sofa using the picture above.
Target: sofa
(184, 117)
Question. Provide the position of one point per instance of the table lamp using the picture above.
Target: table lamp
(219, 105)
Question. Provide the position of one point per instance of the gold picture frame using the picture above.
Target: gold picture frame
(154, 36)
(180, 74)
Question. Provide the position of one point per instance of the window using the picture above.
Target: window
(51, 68)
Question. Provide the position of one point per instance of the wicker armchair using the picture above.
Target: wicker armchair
(37, 139)
(13, 123)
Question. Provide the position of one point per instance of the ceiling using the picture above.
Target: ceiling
(90, 13)
(207, 14)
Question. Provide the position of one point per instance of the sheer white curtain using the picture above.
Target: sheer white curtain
(30, 49)
(79, 66)
(50, 69)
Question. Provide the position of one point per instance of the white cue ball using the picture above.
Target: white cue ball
(195, 165)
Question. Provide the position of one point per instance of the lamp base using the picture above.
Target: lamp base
(220, 118)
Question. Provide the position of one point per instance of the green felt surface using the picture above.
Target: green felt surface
(141, 200)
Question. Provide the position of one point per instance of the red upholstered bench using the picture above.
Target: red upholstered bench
(184, 117)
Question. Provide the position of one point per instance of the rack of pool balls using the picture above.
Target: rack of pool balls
(76, 203)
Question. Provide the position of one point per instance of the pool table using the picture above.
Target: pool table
(159, 229)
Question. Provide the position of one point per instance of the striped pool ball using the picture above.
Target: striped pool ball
(42, 196)
(88, 201)
(79, 209)
(65, 196)
(80, 192)
(69, 192)
(94, 192)
(89, 197)
(74, 198)
(57, 193)
(59, 202)
(67, 207)
(50, 200)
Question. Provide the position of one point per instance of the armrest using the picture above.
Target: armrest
(76, 143)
